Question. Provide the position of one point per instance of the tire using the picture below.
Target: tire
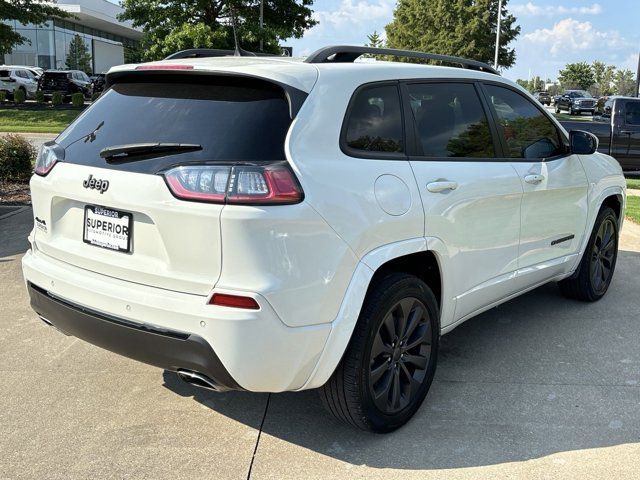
(374, 362)
(571, 111)
(593, 277)
(557, 108)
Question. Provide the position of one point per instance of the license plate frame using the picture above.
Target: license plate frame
(106, 213)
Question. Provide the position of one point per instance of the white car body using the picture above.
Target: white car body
(309, 265)
(18, 78)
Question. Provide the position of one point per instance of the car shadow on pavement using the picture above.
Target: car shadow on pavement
(538, 375)
(14, 230)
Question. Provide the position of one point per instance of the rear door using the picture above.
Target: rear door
(626, 134)
(471, 197)
(554, 204)
(173, 244)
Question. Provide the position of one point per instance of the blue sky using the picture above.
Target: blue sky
(553, 32)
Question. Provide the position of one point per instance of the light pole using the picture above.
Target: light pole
(495, 60)
(262, 24)
(638, 77)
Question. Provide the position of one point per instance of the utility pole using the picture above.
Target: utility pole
(495, 61)
(262, 24)
(638, 77)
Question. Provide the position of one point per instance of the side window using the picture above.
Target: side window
(375, 120)
(632, 113)
(450, 120)
(526, 131)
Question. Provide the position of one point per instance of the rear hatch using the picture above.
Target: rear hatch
(170, 243)
(55, 81)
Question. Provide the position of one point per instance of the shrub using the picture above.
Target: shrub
(19, 96)
(16, 158)
(40, 98)
(95, 96)
(77, 100)
(3, 96)
(57, 98)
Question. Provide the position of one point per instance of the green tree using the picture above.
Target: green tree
(603, 78)
(625, 82)
(536, 84)
(577, 75)
(78, 57)
(465, 28)
(25, 11)
(375, 40)
(173, 25)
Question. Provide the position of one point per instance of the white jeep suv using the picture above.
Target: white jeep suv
(271, 225)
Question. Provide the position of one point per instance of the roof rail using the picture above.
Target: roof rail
(215, 52)
(349, 53)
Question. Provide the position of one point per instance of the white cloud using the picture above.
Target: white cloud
(352, 15)
(569, 35)
(531, 9)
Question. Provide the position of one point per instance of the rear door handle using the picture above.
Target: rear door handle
(534, 179)
(626, 132)
(436, 187)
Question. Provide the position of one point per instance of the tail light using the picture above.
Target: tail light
(50, 154)
(235, 184)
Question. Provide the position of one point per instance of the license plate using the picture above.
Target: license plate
(107, 228)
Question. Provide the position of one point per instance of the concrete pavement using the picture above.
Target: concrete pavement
(540, 387)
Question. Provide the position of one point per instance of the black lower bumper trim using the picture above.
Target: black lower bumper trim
(168, 349)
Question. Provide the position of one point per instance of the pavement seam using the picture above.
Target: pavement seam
(13, 212)
(255, 450)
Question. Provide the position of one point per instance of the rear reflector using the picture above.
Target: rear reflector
(164, 66)
(235, 184)
(235, 301)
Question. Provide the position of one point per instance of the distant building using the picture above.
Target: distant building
(95, 21)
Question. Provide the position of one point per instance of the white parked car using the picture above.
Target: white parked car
(18, 78)
(272, 225)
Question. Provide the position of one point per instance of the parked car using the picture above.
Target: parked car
(97, 82)
(543, 97)
(16, 78)
(36, 71)
(576, 102)
(618, 130)
(299, 246)
(66, 81)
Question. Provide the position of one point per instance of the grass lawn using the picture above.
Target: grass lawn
(633, 209)
(36, 121)
(633, 183)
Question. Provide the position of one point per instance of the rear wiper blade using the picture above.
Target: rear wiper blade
(118, 152)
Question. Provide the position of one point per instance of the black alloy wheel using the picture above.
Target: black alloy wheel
(400, 355)
(602, 256)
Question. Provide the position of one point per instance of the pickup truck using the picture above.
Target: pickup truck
(575, 102)
(618, 130)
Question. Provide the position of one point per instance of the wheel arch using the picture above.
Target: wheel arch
(405, 257)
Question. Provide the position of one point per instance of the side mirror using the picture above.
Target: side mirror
(583, 143)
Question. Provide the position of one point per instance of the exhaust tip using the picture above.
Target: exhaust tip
(46, 321)
(198, 380)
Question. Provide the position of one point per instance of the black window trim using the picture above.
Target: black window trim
(416, 155)
(372, 154)
(495, 120)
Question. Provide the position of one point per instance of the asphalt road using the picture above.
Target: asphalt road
(540, 387)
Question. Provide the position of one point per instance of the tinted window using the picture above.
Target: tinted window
(232, 118)
(632, 113)
(450, 121)
(5, 73)
(527, 132)
(375, 120)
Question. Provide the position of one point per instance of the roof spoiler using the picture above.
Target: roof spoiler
(349, 53)
(215, 52)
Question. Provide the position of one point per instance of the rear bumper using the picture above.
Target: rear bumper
(168, 349)
(244, 349)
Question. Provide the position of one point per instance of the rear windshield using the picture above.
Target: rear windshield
(233, 119)
(56, 74)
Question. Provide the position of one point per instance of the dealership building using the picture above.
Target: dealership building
(105, 37)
